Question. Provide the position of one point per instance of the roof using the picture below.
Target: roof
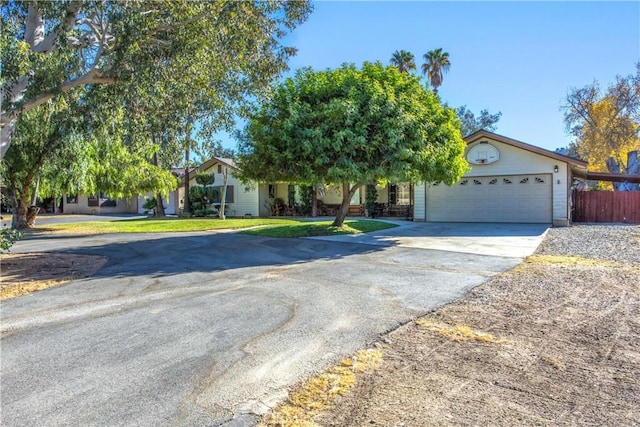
(212, 161)
(613, 177)
(470, 139)
(204, 166)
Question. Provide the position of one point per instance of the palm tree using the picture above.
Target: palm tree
(403, 60)
(436, 64)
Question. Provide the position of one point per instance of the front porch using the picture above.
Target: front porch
(280, 199)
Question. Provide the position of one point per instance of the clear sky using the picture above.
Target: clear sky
(519, 58)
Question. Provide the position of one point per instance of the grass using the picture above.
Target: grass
(317, 393)
(458, 333)
(319, 228)
(272, 227)
(157, 225)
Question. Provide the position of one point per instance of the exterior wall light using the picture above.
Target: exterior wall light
(555, 168)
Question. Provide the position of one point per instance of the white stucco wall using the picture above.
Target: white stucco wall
(82, 207)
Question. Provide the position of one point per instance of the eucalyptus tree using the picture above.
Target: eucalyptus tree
(352, 126)
(469, 123)
(436, 64)
(48, 48)
(403, 60)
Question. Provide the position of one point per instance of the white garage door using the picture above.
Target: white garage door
(524, 198)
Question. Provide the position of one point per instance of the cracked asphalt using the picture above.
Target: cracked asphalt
(211, 328)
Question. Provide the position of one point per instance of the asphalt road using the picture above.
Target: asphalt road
(205, 329)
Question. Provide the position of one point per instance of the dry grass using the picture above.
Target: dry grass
(317, 393)
(567, 260)
(458, 333)
(12, 290)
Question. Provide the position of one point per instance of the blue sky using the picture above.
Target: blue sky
(519, 58)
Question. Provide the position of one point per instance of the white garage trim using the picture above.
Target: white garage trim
(526, 198)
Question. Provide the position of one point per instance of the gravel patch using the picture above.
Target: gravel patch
(566, 348)
(615, 242)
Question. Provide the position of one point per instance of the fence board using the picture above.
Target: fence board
(607, 206)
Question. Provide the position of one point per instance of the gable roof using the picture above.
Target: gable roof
(212, 161)
(576, 163)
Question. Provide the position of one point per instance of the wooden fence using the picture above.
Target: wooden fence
(607, 206)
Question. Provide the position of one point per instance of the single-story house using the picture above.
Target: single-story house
(509, 181)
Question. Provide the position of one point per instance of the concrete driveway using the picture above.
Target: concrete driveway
(202, 329)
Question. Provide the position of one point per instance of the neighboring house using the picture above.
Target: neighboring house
(509, 181)
(97, 205)
(241, 200)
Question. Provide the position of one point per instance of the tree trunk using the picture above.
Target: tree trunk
(187, 204)
(223, 196)
(159, 206)
(614, 167)
(633, 168)
(347, 195)
(159, 210)
(314, 202)
(34, 196)
(24, 216)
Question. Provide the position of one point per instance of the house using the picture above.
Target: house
(509, 181)
(241, 200)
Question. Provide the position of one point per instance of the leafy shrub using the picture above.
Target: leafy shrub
(8, 237)
(205, 179)
(370, 198)
(202, 197)
(204, 212)
(306, 193)
(150, 204)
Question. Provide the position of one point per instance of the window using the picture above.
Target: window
(72, 200)
(524, 180)
(272, 191)
(403, 194)
(219, 168)
(539, 180)
(493, 181)
(102, 201)
(228, 197)
(476, 182)
(400, 194)
(506, 181)
(464, 182)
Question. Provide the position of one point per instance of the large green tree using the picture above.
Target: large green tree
(403, 60)
(352, 126)
(67, 146)
(49, 48)
(436, 64)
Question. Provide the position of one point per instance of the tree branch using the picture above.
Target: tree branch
(91, 77)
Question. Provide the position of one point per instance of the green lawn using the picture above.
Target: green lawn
(153, 225)
(273, 227)
(319, 228)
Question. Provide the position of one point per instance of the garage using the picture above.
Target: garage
(507, 181)
(506, 198)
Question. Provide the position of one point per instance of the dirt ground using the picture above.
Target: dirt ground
(555, 341)
(24, 273)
